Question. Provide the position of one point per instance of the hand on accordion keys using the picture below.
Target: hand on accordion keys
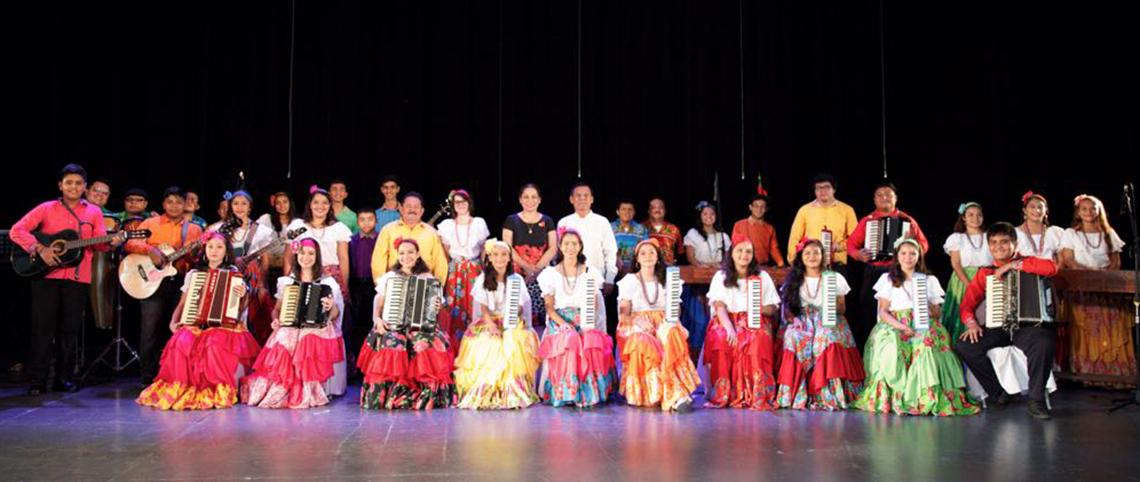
(239, 291)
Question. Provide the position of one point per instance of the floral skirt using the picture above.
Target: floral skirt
(495, 368)
(201, 369)
(577, 365)
(407, 371)
(917, 375)
(955, 289)
(820, 367)
(454, 316)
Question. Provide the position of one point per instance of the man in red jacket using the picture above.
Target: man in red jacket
(1037, 342)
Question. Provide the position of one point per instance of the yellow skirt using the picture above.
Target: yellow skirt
(496, 369)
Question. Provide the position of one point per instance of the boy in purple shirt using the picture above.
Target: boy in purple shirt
(361, 286)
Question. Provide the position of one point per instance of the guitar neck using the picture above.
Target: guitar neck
(83, 243)
(182, 252)
(258, 252)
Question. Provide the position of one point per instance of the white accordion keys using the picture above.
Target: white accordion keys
(394, 296)
(512, 303)
(921, 313)
(588, 317)
(825, 239)
(830, 293)
(755, 308)
(673, 294)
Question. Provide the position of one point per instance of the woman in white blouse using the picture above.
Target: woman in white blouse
(1035, 237)
(741, 359)
(568, 348)
(1099, 336)
(820, 366)
(657, 370)
(968, 251)
(910, 368)
(332, 236)
(1090, 243)
(462, 237)
(247, 238)
(705, 247)
(496, 364)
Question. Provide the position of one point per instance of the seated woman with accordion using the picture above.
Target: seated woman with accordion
(739, 348)
(406, 359)
(211, 349)
(820, 367)
(303, 362)
(657, 370)
(910, 368)
(498, 356)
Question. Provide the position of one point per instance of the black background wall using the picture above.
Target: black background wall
(982, 101)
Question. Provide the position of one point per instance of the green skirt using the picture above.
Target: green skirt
(955, 290)
(919, 375)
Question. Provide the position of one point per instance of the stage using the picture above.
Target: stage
(101, 434)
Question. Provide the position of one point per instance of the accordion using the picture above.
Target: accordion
(921, 314)
(673, 285)
(830, 292)
(825, 238)
(882, 234)
(301, 305)
(1018, 297)
(513, 302)
(588, 318)
(210, 300)
(753, 292)
(412, 302)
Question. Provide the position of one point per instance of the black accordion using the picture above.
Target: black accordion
(301, 305)
(882, 234)
(412, 302)
(1017, 298)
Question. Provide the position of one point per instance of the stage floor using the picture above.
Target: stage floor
(100, 434)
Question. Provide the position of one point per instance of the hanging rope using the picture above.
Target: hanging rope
(579, 89)
(500, 146)
(740, 31)
(883, 87)
(292, 56)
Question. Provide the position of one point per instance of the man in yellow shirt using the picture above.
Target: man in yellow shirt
(824, 212)
(409, 226)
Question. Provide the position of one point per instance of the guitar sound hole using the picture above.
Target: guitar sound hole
(142, 273)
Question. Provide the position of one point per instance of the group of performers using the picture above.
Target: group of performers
(439, 316)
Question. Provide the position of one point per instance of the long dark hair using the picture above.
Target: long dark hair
(658, 268)
(227, 262)
(330, 218)
(728, 267)
(275, 217)
(420, 267)
(790, 289)
(491, 277)
(581, 252)
(318, 265)
(896, 274)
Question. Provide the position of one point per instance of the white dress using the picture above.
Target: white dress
(327, 237)
(1088, 248)
(464, 241)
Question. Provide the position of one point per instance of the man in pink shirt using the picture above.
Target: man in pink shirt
(59, 297)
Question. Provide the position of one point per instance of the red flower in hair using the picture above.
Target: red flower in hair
(738, 238)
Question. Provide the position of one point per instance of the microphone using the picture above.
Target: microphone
(1126, 199)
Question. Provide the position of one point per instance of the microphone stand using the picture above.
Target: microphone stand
(1130, 207)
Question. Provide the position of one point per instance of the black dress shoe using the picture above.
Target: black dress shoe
(1038, 410)
(1002, 399)
(37, 390)
(62, 385)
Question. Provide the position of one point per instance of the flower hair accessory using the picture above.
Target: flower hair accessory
(1030, 195)
(967, 205)
(566, 229)
(911, 241)
(491, 243)
(803, 243)
(1077, 200)
(738, 238)
(396, 244)
(760, 187)
(230, 195)
(315, 189)
(298, 243)
(704, 204)
(652, 241)
(458, 192)
(227, 196)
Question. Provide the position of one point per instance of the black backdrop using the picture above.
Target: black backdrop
(982, 101)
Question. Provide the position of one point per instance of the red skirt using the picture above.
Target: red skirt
(742, 376)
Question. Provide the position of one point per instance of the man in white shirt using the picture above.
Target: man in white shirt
(598, 244)
(600, 247)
